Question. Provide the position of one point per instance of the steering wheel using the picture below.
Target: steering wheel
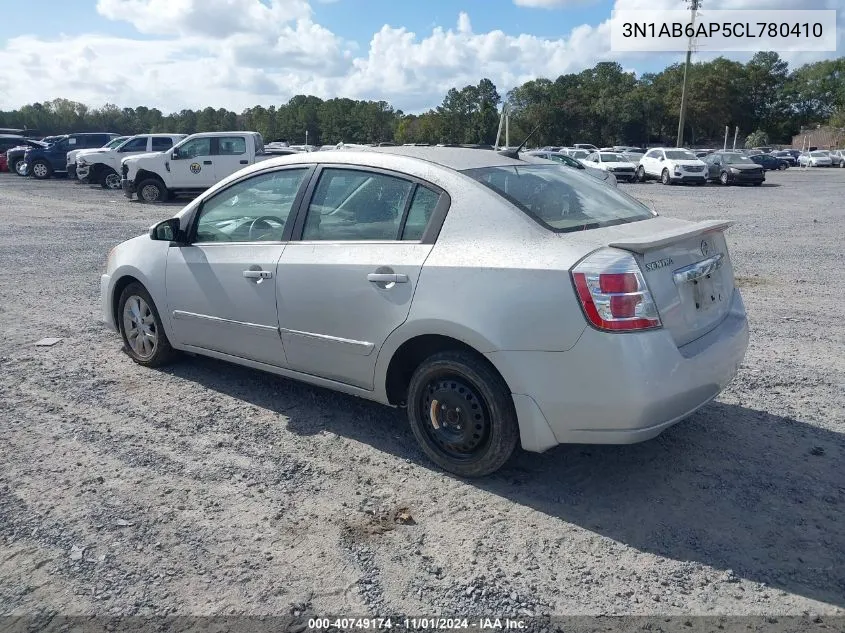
(263, 225)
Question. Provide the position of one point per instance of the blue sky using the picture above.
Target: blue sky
(173, 54)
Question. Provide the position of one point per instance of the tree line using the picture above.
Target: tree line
(603, 105)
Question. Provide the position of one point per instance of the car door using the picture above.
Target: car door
(231, 155)
(713, 163)
(191, 165)
(348, 282)
(221, 285)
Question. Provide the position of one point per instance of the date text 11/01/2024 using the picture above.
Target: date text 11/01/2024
(417, 624)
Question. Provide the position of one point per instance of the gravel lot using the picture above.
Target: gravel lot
(205, 488)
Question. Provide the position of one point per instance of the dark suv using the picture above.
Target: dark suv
(43, 162)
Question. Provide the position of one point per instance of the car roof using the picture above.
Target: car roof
(457, 158)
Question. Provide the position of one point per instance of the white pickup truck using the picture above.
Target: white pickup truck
(195, 164)
(72, 155)
(102, 166)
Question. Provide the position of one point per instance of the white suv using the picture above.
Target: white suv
(670, 165)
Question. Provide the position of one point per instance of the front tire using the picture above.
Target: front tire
(723, 178)
(41, 170)
(462, 414)
(641, 174)
(152, 190)
(664, 177)
(110, 179)
(141, 329)
(782, 166)
(18, 167)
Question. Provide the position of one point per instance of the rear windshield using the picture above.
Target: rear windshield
(819, 154)
(611, 158)
(561, 199)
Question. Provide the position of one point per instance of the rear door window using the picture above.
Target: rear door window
(231, 145)
(161, 143)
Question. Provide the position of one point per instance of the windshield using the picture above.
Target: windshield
(560, 199)
(737, 159)
(677, 154)
(579, 153)
(611, 158)
(819, 154)
(117, 142)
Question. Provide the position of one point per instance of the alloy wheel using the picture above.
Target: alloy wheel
(112, 181)
(150, 193)
(140, 327)
(40, 170)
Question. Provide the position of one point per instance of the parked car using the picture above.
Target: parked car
(4, 165)
(72, 155)
(837, 157)
(195, 164)
(15, 155)
(671, 165)
(8, 141)
(578, 154)
(44, 162)
(787, 156)
(604, 175)
(734, 168)
(614, 163)
(638, 312)
(770, 163)
(587, 146)
(818, 158)
(102, 166)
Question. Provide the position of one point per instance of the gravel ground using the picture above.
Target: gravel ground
(205, 488)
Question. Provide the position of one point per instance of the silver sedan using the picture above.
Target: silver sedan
(501, 301)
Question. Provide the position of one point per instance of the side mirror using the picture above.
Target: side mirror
(174, 155)
(661, 159)
(167, 231)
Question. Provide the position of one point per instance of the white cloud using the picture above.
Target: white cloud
(239, 53)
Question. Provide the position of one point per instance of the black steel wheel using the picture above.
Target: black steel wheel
(462, 414)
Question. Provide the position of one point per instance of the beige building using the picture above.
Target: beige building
(824, 137)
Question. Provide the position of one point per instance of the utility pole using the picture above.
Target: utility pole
(694, 4)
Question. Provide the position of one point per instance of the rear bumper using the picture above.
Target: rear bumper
(128, 187)
(615, 388)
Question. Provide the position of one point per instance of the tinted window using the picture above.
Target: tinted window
(253, 210)
(161, 143)
(115, 142)
(134, 145)
(611, 158)
(356, 205)
(561, 199)
(231, 145)
(422, 206)
(196, 147)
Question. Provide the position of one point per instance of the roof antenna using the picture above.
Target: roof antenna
(514, 153)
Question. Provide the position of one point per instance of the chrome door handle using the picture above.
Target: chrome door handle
(257, 274)
(387, 278)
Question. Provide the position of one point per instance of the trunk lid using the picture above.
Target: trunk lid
(689, 273)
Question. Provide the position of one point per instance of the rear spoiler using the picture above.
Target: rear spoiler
(664, 238)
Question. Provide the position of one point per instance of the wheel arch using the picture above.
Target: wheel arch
(408, 346)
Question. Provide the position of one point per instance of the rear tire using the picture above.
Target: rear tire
(141, 329)
(462, 414)
(151, 190)
(41, 170)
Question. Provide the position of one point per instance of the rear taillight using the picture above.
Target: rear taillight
(613, 292)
